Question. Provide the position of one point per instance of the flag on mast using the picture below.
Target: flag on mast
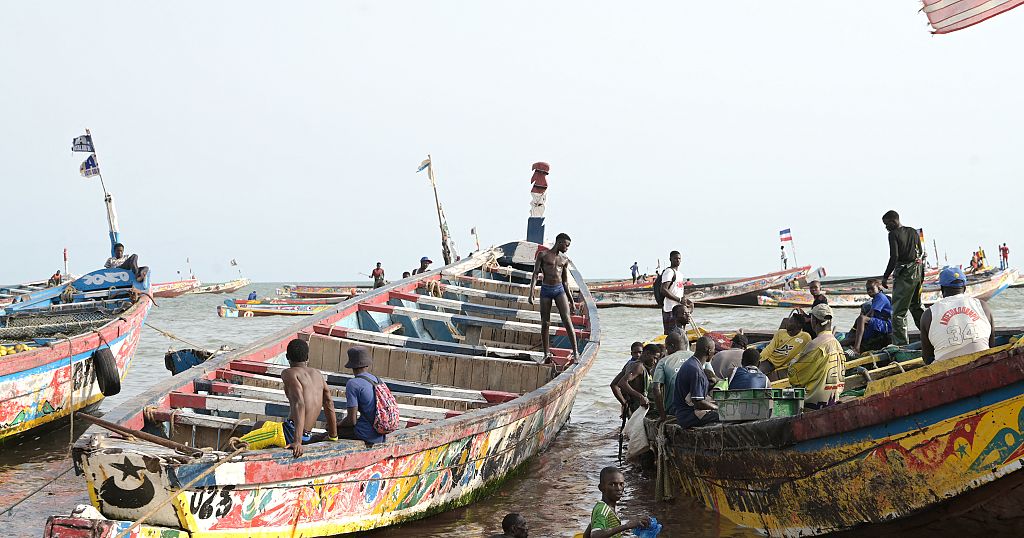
(233, 262)
(83, 143)
(947, 16)
(785, 235)
(89, 167)
(423, 165)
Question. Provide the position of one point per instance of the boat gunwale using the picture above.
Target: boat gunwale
(130, 413)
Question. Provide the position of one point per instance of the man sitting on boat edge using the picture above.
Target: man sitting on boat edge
(360, 393)
(957, 324)
(303, 386)
(131, 263)
(694, 406)
(872, 330)
(822, 366)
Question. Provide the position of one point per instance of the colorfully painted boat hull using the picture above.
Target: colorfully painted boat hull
(740, 292)
(312, 292)
(224, 287)
(984, 289)
(48, 382)
(240, 311)
(345, 486)
(177, 288)
(920, 451)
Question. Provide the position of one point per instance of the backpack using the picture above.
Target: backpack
(659, 296)
(387, 417)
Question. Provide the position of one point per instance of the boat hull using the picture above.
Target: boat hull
(346, 487)
(921, 447)
(224, 287)
(177, 288)
(741, 292)
(48, 383)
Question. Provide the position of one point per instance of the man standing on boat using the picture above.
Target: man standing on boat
(378, 276)
(635, 269)
(907, 270)
(1004, 257)
(957, 324)
(131, 263)
(424, 266)
(821, 368)
(782, 257)
(554, 288)
(673, 289)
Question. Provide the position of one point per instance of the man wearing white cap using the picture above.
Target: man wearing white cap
(821, 367)
(957, 324)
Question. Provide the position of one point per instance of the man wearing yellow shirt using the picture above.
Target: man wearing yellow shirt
(785, 346)
(821, 367)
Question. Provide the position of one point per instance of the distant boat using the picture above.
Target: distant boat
(982, 286)
(175, 288)
(282, 300)
(738, 292)
(641, 284)
(248, 311)
(303, 291)
(224, 287)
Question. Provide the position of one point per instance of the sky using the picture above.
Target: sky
(286, 135)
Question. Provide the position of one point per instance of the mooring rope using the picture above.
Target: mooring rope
(173, 336)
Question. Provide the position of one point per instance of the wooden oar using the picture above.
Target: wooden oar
(155, 439)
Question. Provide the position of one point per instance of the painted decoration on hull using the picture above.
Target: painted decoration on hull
(385, 492)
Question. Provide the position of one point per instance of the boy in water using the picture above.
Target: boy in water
(555, 266)
(604, 522)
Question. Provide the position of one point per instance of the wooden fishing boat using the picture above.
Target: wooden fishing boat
(931, 450)
(176, 288)
(73, 343)
(627, 284)
(457, 349)
(982, 286)
(306, 292)
(233, 310)
(739, 292)
(284, 300)
(223, 287)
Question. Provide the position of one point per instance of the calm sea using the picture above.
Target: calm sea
(555, 490)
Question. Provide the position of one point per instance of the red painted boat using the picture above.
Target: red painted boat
(739, 292)
(623, 285)
(175, 288)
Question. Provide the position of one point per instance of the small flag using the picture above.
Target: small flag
(947, 16)
(233, 262)
(785, 235)
(89, 167)
(82, 143)
(472, 231)
(423, 165)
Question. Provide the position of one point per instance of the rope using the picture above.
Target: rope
(173, 336)
(179, 491)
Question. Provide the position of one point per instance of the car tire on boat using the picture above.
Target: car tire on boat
(106, 371)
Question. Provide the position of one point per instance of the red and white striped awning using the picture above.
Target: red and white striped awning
(947, 16)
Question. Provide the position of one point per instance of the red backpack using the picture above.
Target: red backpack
(387, 417)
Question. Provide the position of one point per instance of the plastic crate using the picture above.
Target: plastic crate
(758, 404)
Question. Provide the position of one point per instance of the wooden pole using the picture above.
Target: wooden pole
(792, 245)
(445, 252)
(157, 440)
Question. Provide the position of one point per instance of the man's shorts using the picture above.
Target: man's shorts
(273, 434)
(551, 292)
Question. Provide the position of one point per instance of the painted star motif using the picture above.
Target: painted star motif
(962, 450)
(128, 469)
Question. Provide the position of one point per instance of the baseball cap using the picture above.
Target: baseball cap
(822, 312)
(952, 277)
(426, 259)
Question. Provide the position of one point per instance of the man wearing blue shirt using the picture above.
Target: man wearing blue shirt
(874, 328)
(749, 376)
(694, 406)
(361, 399)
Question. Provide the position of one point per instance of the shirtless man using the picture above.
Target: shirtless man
(555, 265)
(307, 394)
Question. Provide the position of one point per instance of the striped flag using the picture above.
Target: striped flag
(947, 16)
(785, 235)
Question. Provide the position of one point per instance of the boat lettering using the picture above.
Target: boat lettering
(202, 501)
(95, 279)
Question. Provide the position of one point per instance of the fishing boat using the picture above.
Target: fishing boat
(641, 284)
(231, 309)
(66, 347)
(456, 345)
(223, 287)
(934, 450)
(739, 292)
(308, 292)
(286, 300)
(176, 288)
(982, 286)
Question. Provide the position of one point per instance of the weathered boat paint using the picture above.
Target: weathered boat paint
(334, 487)
(739, 292)
(176, 288)
(924, 446)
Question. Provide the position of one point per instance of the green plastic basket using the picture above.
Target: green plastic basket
(758, 404)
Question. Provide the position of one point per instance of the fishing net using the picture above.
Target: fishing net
(53, 324)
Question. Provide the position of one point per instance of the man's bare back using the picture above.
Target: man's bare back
(307, 395)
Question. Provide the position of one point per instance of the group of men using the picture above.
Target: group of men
(309, 395)
(377, 273)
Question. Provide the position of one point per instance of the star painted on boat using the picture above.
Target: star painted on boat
(962, 450)
(128, 469)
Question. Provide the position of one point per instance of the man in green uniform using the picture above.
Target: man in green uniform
(906, 266)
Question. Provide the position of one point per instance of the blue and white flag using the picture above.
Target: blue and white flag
(82, 143)
(89, 167)
(423, 165)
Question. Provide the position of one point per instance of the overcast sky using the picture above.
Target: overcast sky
(286, 135)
